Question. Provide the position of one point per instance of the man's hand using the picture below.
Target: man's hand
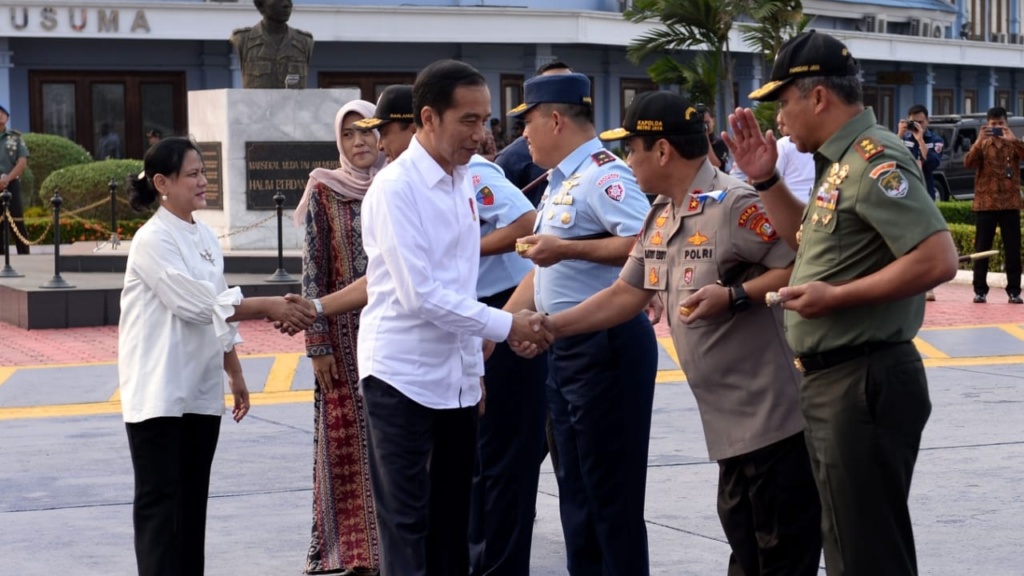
(489, 347)
(655, 308)
(708, 302)
(531, 333)
(544, 250)
(481, 408)
(754, 153)
(812, 300)
(236, 383)
(304, 308)
(326, 371)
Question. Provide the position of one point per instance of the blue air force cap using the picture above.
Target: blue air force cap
(554, 89)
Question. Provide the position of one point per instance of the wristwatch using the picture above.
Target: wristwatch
(765, 185)
(318, 305)
(738, 299)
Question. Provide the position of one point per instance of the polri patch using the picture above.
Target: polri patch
(746, 214)
(616, 192)
(688, 273)
(603, 157)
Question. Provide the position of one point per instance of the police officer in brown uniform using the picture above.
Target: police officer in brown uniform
(710, 251)
(871, 242)
(271, 53)
(13, 160)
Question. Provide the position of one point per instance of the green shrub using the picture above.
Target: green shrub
(28, 187)
(46, 153)
(957, 212)
(963, 237)
(73, 230)
(85, 184)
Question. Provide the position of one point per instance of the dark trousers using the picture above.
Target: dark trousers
(17, 211)
(509, 444)
(600, 394)
(984, 235)
(421, 468)
(769, 508)
(864, 423)
(172, 459)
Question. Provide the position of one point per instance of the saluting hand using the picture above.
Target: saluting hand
(754, 153)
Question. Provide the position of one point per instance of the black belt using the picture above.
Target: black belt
(830, 358)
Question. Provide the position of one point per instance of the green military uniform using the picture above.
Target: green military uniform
(13, 150)
(865, 396)
(266, 65)
(747, 394)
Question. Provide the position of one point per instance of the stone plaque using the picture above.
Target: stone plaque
(212, 161)
(283, 166)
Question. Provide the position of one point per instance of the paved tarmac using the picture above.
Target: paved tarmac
(66, 485)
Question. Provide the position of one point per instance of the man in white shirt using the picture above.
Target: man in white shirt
(795, 167)
(420, 355)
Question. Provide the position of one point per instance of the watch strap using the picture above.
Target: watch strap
(765, 185)
(318, 305)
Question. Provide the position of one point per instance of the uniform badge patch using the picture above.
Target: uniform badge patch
(476, 180)
(881, 168)
(661, 220)
(565, 218)
(894, 183)
(697, 239)
(603, 157)
(688, 275)
(653, 277)
(868, 148)
(746, 214)
(766, 231)
(615, 192)
(694, 204)
(607, 178)
(485, 197)
(656, 239)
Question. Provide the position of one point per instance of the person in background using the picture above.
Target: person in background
(498, 133)
(13, 161)
(795, 167)
(719, 156)
(996, 157)
(344, 532)
(926, 147)
(153, 136)
(110, 143)
(176, 342)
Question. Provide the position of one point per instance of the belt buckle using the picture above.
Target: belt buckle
(799, 365)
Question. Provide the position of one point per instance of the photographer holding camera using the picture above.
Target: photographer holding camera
(923, 145)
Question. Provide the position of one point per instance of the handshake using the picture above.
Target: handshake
(291, 314)
(531, 334)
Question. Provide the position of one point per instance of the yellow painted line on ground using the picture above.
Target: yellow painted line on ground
(670, 348)
(928, 350)
(116, 396)
(669, 376)
(114, 362)
(979, 361)
(965, 327)
(1011, 329)
(5, 373)
(282, 373)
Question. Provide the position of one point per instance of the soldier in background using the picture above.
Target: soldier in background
(271, 53)
(13, 161)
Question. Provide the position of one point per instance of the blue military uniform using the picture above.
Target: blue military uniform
(511, 430)
(519, 168)
(600, 386)
(930, 161)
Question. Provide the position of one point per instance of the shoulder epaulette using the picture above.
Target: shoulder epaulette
(304, 33)
(13, 131)
(868, 148)
(603, 157)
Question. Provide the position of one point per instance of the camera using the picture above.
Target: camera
(997, 132)
(912, 125)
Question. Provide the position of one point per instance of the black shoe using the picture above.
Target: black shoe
(979, 298)
(1015, 299)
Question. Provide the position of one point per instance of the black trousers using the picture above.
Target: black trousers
(17, 211)
(509, 444)
(600, 394)
(421, 468)
(864, 423)
(769, 508)
(1008, 222)
(172, 459)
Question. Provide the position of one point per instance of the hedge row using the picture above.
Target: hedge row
(963, 237)
(957, 212)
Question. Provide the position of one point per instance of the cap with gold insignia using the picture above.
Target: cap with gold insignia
(658, 113)
(554, 89)
(807, 54)
(394, 105)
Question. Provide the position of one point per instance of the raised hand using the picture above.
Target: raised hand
(753, 152)
(544, 249)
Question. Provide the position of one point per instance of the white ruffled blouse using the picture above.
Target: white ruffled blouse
(174, 331)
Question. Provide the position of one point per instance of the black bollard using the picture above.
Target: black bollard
(281, 275)
(7, 271)
(56, 281)
(115, 239)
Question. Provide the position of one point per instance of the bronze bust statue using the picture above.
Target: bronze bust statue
(271, 53)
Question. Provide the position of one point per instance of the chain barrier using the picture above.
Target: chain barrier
(7, 216)
(249, 227)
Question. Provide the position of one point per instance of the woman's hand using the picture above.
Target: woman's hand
(326, 371)
(241, 393)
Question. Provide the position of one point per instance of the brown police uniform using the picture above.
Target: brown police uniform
(864, 392)
(739, 368)
(266, 65)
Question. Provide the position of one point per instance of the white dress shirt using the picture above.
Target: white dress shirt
(173, 332)
(422, 326)
(796, 168)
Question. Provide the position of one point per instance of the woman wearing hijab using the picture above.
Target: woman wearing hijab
(344, 535)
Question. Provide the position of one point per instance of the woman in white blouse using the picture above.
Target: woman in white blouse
(176, 341)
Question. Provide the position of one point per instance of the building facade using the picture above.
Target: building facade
(87, 68)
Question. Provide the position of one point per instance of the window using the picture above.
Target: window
(1003, 99)
(942, 102)
(107, 113)
(369, 85)
(1020, 103)
(511, 96)
(970, 100)
(629, 88)
(882, 100)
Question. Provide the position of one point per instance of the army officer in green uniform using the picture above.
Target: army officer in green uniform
(870, 243)
(13, 160)
(271, 53)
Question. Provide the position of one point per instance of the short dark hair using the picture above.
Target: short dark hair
(555, 65)
(918, 109)
(689, 146)
(847, 88)
(165, 157)
(436, 84)
(996, 113)
(582, 114)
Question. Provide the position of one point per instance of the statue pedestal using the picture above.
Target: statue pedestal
(284, 134)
